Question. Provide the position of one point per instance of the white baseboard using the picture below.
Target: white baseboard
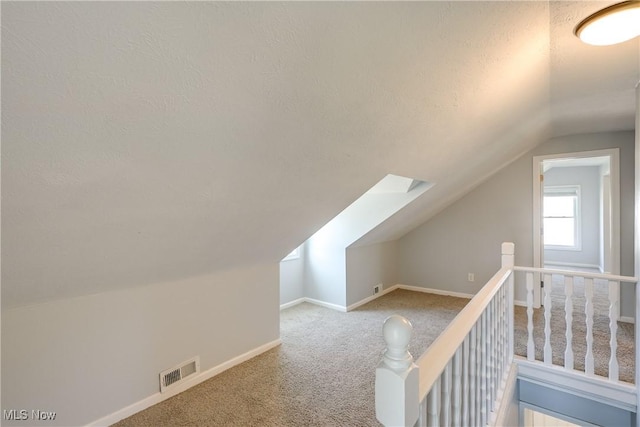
(315, 302)
(436, 291)
(409, 288)
(179, 388)
(326, 304)
(627, 319)
(372, 297)
(520, 303)
(292, 303)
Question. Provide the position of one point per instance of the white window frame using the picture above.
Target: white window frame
(569, 190)
(295, 254)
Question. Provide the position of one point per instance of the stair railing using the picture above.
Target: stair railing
(459, 378)
(567, 280)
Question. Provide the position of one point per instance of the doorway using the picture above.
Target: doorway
(576, 212)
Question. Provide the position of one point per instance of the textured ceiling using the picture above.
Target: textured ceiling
(144, 142)
(592, 88)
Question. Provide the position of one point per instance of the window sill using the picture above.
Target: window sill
(563, 248)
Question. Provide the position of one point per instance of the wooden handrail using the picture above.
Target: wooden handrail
(462, 371)
(610, 277)
(441, 351)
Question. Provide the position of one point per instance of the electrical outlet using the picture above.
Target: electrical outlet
(377, 288)
(471, 277)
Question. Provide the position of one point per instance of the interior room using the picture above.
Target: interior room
(171, 170)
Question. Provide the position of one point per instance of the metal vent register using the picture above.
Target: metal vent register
(179, 373)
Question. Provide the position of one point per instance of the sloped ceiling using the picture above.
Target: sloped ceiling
(144, 142)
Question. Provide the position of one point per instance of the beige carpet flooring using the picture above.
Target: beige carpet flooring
(321, 375)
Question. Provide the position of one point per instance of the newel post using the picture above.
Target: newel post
(508, 254)
(397, 380)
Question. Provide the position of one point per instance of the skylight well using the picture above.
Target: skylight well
(376, 205)
(321, 271)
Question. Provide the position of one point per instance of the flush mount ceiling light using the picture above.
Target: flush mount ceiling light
(614, 24)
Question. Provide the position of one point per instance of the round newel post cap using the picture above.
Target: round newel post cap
(397, 332)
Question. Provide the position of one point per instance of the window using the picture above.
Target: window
(295, 254)
(562, 217)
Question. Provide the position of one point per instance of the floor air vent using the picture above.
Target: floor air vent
(179, 373)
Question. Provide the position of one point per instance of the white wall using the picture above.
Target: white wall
(325, 272)
(292, 278)
(332, 271)
(90, 356)
(589, 180)
(368, 266)
(466, 236)
(325, 262)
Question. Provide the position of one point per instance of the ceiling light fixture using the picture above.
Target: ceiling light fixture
(614, 24)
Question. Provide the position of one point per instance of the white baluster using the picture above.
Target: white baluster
(499, 333)
(510, 318)
(568, 310)
(457, 387)
(483, 369)
(505, 326)
(505, 330)
(496, 351)
(433, 405)
(465, 381)
(473, 388)
(531, 350)
(490, 355)
(396, 385)
(499, 337)
(445, 411)
(613, 326)
(548, 356)
(508, 260)
(478, 397)
(588, 311)
(422, 416)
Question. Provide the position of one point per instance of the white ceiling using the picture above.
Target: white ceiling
(144, 142)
